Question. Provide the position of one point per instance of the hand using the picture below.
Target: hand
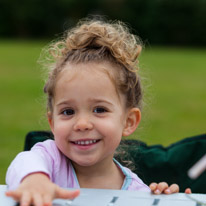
(163, 187)
(37, 189)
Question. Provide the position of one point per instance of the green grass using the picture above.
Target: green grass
(21, 105)
(174, 84)
(176, 96)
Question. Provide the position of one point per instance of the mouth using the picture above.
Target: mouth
(85, 142)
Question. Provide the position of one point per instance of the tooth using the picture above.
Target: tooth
(87, 142)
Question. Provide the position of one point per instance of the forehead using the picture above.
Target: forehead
(91, 75)
(91, 70)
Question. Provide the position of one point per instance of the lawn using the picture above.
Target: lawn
(173, 81)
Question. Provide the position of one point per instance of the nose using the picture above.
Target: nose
(82, 124)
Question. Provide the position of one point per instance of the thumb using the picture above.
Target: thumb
(15, 194)
(188, 191)
(66, 194)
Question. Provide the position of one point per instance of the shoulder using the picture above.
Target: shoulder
(48, 146)
(136, 183)
(45, 144)
(132, 181)
(60, 167)
(49, 151)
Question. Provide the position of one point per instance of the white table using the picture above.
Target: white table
(5, 201)
(99, 197)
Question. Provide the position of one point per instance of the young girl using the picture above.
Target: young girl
(94, 98)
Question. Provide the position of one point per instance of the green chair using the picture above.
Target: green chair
(155, 163)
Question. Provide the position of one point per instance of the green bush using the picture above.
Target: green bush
(156, 21)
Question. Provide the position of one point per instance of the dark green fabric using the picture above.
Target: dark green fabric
(36, 136)
(156, 163)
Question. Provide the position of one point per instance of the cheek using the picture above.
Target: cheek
(60, 130)
(111, 129)
(60, 137)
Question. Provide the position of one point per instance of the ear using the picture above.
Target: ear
(50, 120)
(132, 121)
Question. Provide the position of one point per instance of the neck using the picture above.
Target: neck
(103, 175)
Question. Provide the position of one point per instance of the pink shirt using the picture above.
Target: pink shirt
(46, 157)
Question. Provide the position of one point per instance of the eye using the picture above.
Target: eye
(100, 110)
(68, 112)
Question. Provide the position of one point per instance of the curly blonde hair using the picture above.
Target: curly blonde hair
(98, 41)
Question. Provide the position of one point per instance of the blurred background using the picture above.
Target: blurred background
(173, 64)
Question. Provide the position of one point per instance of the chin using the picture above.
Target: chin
(85, 163)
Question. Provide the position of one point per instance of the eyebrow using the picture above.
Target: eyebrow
(71, 101)
(100, 101)
(64, 102)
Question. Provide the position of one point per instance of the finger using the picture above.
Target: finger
(153, 186)
(25, 199)
(47, 200)
(37, 200)
(66, 194)
(174, 188)
(188, 191)
(160, 188)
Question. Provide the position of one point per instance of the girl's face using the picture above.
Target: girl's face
(89, 117)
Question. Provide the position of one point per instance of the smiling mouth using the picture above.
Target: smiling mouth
(86, 142)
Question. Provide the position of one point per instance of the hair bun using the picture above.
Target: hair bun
(124, 46)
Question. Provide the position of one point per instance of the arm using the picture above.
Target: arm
(24, 164)
(37, 189)
(31, 175)
(43, 157)
(38, 159)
